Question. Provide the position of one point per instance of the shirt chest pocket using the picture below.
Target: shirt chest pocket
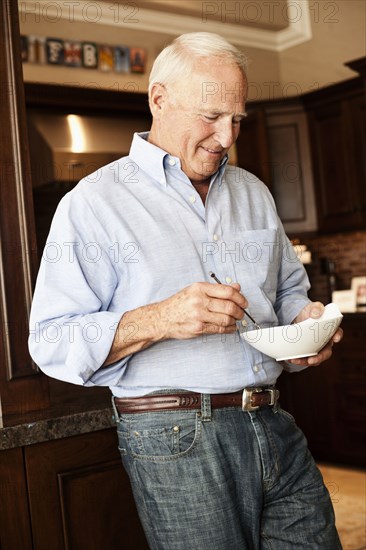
(257, 256)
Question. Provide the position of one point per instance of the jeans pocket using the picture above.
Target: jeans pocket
(286, 415)
(158, 436)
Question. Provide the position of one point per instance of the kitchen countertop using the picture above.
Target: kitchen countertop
(60, 420)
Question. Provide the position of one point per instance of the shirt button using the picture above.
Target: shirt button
(244, 322)
(228, 280)
(171, 161)
(192, 198)
(215, 237)
(257, 368)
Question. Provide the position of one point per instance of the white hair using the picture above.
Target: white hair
(176, 61)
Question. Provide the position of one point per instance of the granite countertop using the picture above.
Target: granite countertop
(61, 419)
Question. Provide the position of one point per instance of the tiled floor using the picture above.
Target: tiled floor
(347, 489)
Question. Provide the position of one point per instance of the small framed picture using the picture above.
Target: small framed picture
(55, 51)
(89, 55)
(24, 47)
(138, 60)
(358, 286)
(106, 58)
(72, 54)
(122, 59)
(345, 300)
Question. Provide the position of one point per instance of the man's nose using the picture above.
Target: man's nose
(226, 134)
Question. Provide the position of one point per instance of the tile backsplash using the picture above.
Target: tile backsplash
(346, 251)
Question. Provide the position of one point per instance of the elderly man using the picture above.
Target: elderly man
(213, 459)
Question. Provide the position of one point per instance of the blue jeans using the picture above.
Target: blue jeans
(225, 480)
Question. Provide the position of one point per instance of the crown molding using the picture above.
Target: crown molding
(129, 16)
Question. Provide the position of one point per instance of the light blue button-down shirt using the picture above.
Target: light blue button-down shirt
(136, 232)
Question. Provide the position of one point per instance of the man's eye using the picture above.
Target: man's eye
(211, 118)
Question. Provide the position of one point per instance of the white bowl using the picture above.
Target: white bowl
(298, 340)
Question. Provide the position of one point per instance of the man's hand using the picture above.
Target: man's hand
(315, 310)
(201, 308)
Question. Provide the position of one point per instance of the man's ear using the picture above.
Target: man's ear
(157, 99)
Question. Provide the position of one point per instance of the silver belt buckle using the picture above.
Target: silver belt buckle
(248, 393)
(247, 399)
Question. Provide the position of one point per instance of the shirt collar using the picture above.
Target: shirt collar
(151, 159)
(219, 175)
(148, 157)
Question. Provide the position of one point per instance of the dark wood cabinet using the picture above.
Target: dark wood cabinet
(337, 123)
(15, 527)
(252, 145)
(310, 151)
(22, 387)
(291, 167)
(328, 401)
(349, 399)
(273, 144)
(78, 494)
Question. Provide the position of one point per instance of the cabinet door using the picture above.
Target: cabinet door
(80, 496)
(22, 387)
(291, 170)
(338, 163)
(15, 530)
(350, 410)
(328, 401)
(355, 110)
(252, 146)
(308, 395)
(335, 201)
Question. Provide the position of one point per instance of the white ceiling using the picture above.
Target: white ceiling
(259, 13)
(272, 26)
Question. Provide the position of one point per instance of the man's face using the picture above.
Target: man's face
(197, 120)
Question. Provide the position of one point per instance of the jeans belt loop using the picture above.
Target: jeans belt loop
(115, 411)
(206, 407)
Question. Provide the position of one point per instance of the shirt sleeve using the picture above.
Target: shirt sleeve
(293, 284)
(71, 326)
(292, 290)
(292, 280)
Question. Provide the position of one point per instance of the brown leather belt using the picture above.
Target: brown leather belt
(250, 399)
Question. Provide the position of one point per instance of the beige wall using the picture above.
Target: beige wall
(338, 36)
(94, 32)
